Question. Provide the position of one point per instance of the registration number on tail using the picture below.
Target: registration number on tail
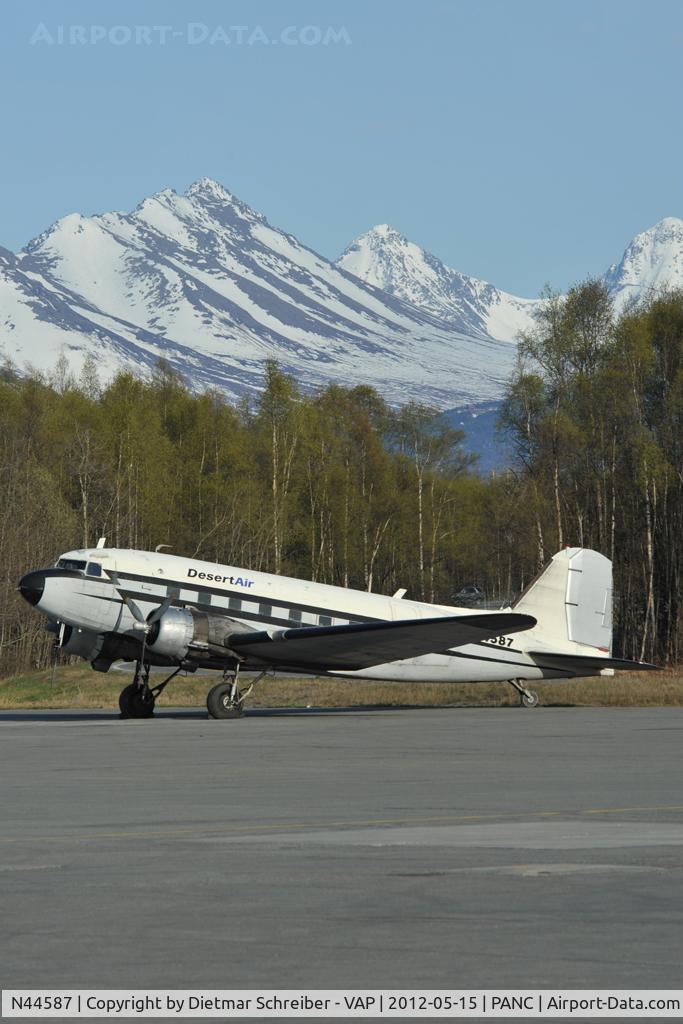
(499, 641)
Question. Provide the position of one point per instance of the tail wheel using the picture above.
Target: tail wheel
(224, 702)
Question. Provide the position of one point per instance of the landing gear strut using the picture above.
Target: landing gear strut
(527, 698)
(225, 699)
(137, 700)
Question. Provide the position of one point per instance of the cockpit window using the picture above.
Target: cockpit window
(94, 569)
(71, 563)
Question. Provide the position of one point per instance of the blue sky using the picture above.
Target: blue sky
(521, 141)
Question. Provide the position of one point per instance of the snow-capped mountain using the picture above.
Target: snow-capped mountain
(205, 282)
(386, 259)
(652, 261)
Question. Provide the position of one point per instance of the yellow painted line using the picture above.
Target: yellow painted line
(317, 825)
(631, 810)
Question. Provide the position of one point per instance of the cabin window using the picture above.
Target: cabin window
(71, 563)
(265, 610)
(295, 615)
(324, 620)
(235, 604)
(94, 569)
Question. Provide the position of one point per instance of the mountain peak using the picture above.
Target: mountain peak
(68, 226)
(220, 204)
(208, 189)
(165, 193)
(653, 260)
(164, 196)
(372, 255)
(384, 231)
(203, 281)
(377, 238)
(386, 259)
(666, 230)
(666, 226)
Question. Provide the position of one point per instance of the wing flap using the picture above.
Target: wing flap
(363, 644)
(583, 662)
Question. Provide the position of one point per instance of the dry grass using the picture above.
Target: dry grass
(80, 687)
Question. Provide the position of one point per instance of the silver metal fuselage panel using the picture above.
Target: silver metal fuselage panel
(263, 601)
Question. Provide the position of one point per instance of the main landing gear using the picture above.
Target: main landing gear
(137, 700)
(225, 700)
(527, 698)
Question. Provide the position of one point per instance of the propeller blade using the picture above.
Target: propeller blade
(134, 610)
(171, 596)
(128, 601)
(144, 620)
(56, 647)
(53, 665)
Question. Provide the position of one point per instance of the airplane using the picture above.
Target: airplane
(111, 604)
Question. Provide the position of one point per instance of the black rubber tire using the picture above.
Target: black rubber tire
(218, 702)
(132, 703)
(530, 703)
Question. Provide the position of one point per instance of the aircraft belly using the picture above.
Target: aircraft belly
(469, 663)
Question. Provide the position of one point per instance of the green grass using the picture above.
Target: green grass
(80, 687)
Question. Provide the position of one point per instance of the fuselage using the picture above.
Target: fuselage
(84, 591)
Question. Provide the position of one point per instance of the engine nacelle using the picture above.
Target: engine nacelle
(183, 633)
(172, 634)
(98, 648)
(81, 643)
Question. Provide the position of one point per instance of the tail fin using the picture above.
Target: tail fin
(572, 599)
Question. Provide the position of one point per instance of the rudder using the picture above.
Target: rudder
(572, 599)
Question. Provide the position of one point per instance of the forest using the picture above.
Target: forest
(338, 487)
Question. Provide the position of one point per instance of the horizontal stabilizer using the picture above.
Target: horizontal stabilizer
(362, 644)
(584, 664)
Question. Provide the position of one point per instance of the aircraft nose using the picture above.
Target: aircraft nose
(32, 585)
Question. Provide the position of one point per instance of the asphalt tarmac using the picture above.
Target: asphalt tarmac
(474, 848)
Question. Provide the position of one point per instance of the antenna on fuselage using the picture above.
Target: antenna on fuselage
(159, 547)
(101, 542)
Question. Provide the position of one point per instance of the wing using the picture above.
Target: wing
(362, 644)
(586, 664)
